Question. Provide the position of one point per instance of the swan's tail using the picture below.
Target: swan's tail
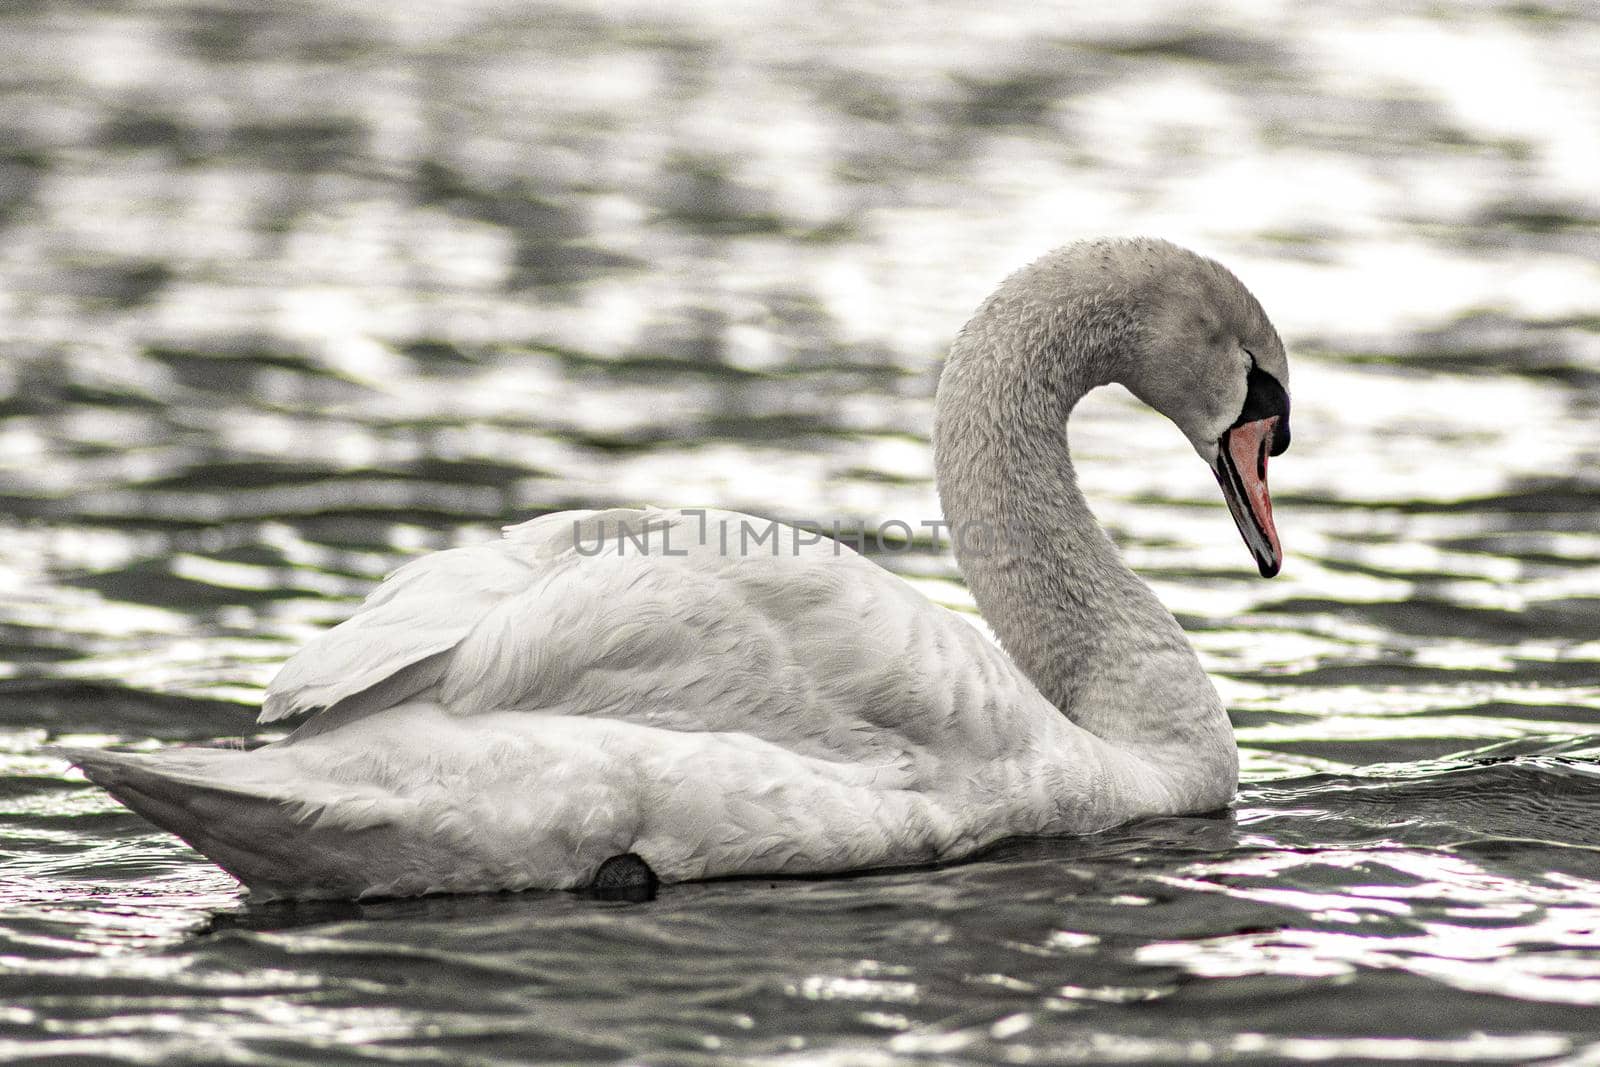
(206, 797)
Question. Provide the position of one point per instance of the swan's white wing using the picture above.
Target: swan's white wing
(810, 647)
(806, 646)
(421, 610)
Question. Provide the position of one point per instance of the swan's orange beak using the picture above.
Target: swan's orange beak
(1241, 470)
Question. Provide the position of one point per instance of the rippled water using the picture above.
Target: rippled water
(293, 292)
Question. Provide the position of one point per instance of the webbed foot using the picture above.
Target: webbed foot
(626, 877)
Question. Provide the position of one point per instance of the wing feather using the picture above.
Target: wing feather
(420, 611)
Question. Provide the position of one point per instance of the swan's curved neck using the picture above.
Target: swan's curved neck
(1085, 630)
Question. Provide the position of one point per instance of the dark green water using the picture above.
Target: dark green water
(292, 292)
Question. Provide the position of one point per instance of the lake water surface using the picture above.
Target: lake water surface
(290, 293)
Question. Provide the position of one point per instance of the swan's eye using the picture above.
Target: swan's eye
(1264, 398)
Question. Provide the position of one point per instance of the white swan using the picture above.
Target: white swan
(518, 713)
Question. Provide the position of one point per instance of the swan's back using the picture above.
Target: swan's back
(691, 626)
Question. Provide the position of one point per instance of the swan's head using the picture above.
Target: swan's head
(1208, 358)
